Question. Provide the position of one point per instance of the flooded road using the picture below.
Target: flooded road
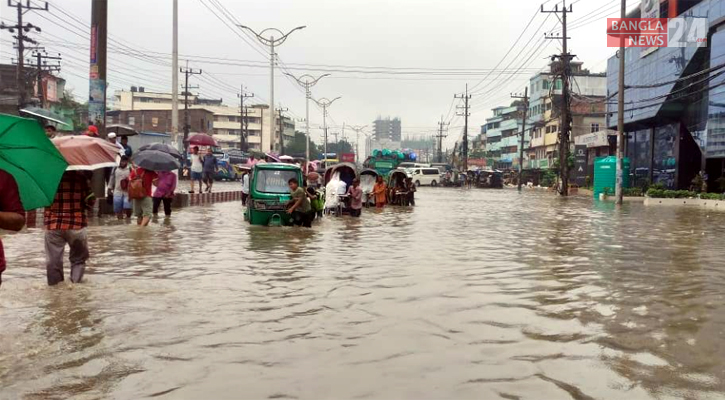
(473, 294)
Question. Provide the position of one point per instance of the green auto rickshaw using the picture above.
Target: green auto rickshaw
(269, 194)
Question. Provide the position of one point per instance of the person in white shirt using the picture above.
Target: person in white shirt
(197, 167)
(245, 188)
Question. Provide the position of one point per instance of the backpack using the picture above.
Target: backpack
(135, 187)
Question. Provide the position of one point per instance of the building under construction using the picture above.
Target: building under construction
(387, 129)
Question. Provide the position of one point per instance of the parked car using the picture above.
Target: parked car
(425, 176)
(408, 165)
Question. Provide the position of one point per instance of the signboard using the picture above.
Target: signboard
(51, 89)
(94, 44)
(347, 157)
(649, 9)
(596, 139)
(96, 101)
(580, 164)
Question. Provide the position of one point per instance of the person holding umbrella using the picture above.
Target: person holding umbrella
(139, 190)
(25, 183)
(66, 220)
(149, 163)
(165, 187)
(12, 216)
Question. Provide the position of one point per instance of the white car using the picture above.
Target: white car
(425, 176)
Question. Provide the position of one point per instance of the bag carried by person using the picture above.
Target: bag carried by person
(135, 187)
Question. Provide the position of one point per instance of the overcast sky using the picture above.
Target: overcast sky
(425, 50)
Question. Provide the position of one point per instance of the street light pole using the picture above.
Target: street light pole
(357, 130)
(307, 81)
(271, 42)
(325, 103)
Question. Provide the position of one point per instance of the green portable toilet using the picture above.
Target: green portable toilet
(605, 174)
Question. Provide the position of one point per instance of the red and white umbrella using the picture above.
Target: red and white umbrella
(86, 153)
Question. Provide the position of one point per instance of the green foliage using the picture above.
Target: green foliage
(608, 191)
(670, 194)
(633, 192)
(549, 179)
(721, 183)
(298, 146)
(712, 196)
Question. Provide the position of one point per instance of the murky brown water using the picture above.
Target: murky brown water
(474, 294)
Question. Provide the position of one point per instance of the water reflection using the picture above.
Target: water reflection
(473, 294)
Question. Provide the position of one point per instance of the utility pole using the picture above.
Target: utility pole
(357, 130)
(175, 75)
(618, 192)
(525, 97)
(466, 97)
(441, 136)
(188, 72)
(271, 42)
(280, 110)
(98, 57)
(42, 66)
(307, 81)
(22, 38)
(325, 104)
(565, 70)
(244, 123)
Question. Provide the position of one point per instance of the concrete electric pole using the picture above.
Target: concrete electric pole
(618, 192)
(175, 75)
(441, 125)
(244, 123)
(525, 98)
(466, 97)
(565, 72)
(280, 110)
(21, 37)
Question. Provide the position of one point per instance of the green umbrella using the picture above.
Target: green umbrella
(32, 159)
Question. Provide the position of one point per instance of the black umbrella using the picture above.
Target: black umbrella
(155, 160)
(164, 148)
(122, 130)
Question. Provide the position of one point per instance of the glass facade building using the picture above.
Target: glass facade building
(675, 112)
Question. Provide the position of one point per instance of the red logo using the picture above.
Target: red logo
(637, 32)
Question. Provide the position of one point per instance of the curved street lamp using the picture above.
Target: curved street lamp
(307, 81)
(325, 103)
(271, 42)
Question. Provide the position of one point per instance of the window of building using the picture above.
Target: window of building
(545, 85)
(557, 84)
(132, 121)
(548, 106)
(109, 120)
(595, 128)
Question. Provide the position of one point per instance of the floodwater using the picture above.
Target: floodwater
(474, 294)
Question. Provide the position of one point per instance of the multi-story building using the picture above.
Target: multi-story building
(386, 129)
(675, 104)
(200, 120)
(139, 99)
(588, 93)
(503, 137)
(225, 122)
